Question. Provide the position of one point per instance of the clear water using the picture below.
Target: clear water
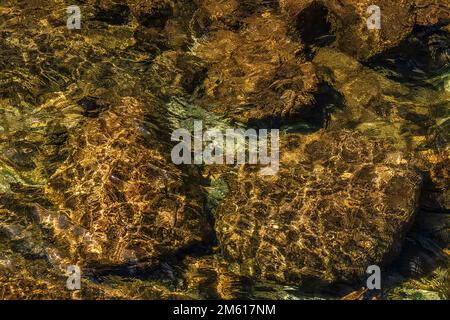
(52, 78)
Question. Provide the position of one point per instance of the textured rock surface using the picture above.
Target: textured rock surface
(151, 12)
(118, 208)
(397, 21)
(433, 220)
(431, 12)
(123, 201)
(347, 20)
(377, 105)
(176, 73)
(256, 72)
(338, 204)
(163, 24)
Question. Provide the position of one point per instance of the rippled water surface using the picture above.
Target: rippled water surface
(54, 81)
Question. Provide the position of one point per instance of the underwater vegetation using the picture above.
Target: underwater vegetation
(87, 179)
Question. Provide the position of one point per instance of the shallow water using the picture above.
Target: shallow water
(54, 80)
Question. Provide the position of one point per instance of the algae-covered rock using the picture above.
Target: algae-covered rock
(122, 199)
(339, 203)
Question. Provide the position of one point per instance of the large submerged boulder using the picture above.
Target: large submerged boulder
(339, 203)
(121, 199)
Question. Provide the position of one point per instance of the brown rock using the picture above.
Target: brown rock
(347, 21)
(257, 73)
(122, 198)
(151, 13)
(375, 104)
(431, 12)
(177, 73)
(339, 203)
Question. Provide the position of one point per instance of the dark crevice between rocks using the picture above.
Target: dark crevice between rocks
(419, 257)
(421, 56)
(328, 100)
(157, 19)
(317, 287)
(419, 61)
(308, 119)
(249, 7)
(168, 270)
(313, 26)
(91, 107)
(421, 251)
(117, 14)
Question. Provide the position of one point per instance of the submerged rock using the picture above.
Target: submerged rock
(176, 73)
(346, 22)
(257, 73)
(339, 203)
(258, 57)
(433, 286)
(379, 106)
(116, 205)
(153, 13)
(122, 198)
(210, 277)
(164, 24)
